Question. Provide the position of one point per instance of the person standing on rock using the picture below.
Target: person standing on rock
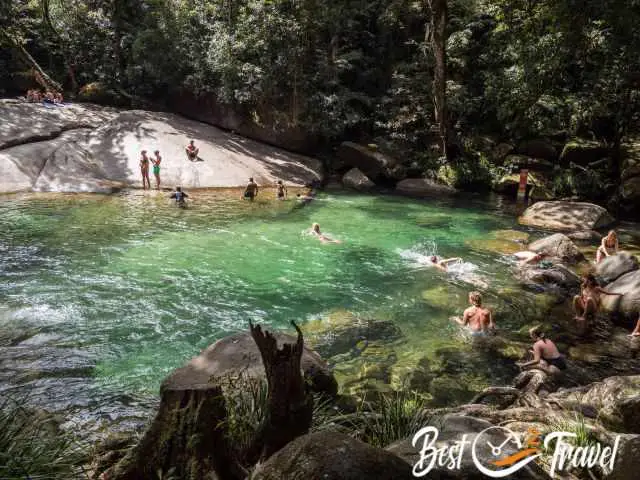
(477, 318)
(608, 246)
(251, 192)
(144, 170)
(546, 355)
(156, 167)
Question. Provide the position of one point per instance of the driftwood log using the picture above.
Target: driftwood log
(290, 404)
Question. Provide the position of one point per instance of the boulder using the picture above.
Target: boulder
(559, 246)
(332, 456)
(357, 180)
(613, 267)
(372, 163)
(566, 216)
(615, 399)
(501, 151)
(585, 236)
(629, 304)
(556, 275)
(582, 152)
(451, 430)
(630, 193)
(423, 187)
(238, 356)
(538, 148)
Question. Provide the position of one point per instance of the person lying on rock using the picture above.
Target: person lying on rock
(477, 318)
(528, 257)
(192, 151)
(315, 230)
(180, 197)
(442, 265)
(608, 246)
(546, 355)
(586, 304)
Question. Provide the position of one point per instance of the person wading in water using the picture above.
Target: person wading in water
(546, 355)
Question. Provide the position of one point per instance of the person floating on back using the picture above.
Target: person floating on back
(608, 247)
(546, 355)
(180, 197)
(144, 170)
(251, 191)
(192, 151)
(477, 318)
(281, 191)
(156, 168)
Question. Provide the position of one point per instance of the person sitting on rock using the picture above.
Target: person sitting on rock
(442, 265)
(315, 230)
(608, 246)
(251, 191)
(192, 151)
(180, 197)
(546, 355)
(477, 318)
(586, 304)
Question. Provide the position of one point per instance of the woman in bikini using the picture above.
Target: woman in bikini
(281, 191)
(608, 247)
(588, 302)
(156, 168)
(315, 230)
(144, 170)
(545, 354)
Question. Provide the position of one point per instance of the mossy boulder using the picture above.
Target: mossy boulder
(582, 152)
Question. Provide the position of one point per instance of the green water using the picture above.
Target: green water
(101, 297)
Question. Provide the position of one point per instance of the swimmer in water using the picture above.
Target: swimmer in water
(477, 318)
(530, 258)
(315, 230)
(442, 265)
(180, 197)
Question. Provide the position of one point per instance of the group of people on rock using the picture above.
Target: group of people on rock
(49, 97)
(145, 162)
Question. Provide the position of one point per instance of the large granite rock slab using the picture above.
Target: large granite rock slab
(566, 216)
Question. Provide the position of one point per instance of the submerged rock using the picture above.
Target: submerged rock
(614, 266)
(567, 216)
(332, 456)
(558, 246)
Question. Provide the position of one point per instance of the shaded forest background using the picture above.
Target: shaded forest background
(531, 77)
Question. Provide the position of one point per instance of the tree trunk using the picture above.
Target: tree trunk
(290, 405)
(41, 76)
(438, 40)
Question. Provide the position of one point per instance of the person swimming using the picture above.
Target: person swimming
(315, 230)
(587, 304)
(546, 355)
(251, 191)
(180, 197)
(608, 246)
(477, 318)
(442, 265)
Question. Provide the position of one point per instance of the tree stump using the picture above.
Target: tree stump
(290, 404)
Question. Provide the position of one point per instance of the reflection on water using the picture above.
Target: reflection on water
(100, 297)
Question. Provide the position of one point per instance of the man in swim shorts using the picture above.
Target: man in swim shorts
(251, 191)
(477, 318)
(192, 151)
(180, 197)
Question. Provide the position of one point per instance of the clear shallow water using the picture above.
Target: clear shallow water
(101, 297)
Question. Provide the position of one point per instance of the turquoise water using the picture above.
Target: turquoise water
(101, 297)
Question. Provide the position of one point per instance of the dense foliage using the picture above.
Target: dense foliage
(362, 69)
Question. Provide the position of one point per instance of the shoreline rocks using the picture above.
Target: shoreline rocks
(423, 187)
(558, 246)
(566, 216)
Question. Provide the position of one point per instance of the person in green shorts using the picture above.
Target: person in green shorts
(156, 167)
